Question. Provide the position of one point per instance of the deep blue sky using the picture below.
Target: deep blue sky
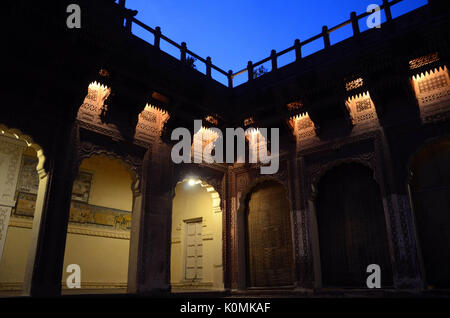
(233, 32)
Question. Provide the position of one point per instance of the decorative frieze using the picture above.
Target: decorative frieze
(423, 60)
(212, 120)
(294, 106)
(249, 121)
(356, 83)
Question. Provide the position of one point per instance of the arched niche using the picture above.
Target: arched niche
(100, 222)
(350, 227)
(429, 187)
(23, 184)
(265, 236)
(196, 240)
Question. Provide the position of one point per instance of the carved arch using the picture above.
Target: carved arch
(255, 182)
(244, 198)
(317, 174)
(428, 142)
(215, 196)
(209, 177)
(132, 164)
(4, 130)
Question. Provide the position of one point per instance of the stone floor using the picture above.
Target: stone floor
(260, 293)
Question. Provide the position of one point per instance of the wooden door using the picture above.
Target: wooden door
(194, 251)
(352, 227)
(270, 256)
(430, 190)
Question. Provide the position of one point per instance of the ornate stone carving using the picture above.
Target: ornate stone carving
(432, 90)
(93, 106)
(150, 124)
(423, 60)
(401, 232)
(294, 105)
(304, 129)
(11, 151)
(88, 149)
(362, 109)
(356, 83)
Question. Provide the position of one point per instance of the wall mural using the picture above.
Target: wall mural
(82, 186)
(28, 177)
(81, 212)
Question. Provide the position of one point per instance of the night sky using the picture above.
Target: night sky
(233, 32)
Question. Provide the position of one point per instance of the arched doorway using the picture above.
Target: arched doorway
(196, 244)
(22, 190)
(430, 193)
(98, 233)
(270, 260)
(351, 227)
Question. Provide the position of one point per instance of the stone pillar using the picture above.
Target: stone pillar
(307, 266)
(136, 217)
(152, 230)
(11, 151)
(230, 208)
(44, 268)
(400, 225)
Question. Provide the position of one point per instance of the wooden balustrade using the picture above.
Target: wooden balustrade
(297, 47)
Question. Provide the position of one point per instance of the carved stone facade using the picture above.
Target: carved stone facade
(355, 109)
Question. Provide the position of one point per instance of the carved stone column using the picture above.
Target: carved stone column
(135, 237)
(46, 255)
(228, 221)
(11, 151)
(406, 268)
(305, 215)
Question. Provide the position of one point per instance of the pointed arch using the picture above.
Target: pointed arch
(429, 190)
(196, 240)
(260, 202)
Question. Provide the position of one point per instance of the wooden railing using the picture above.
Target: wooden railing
(325, 34)
(183, 50)
(297, 47)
